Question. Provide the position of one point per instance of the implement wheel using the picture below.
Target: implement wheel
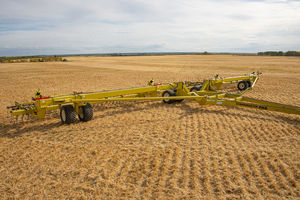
(179, 100)
(242, 85)
(85, 113)
(67, 114)
(249, 84)
(169, 93)
(195, 88)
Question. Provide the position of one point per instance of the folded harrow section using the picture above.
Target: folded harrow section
(205, 93)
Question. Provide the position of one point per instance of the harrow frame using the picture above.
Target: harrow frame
(205, 93)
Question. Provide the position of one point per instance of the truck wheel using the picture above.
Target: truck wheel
(242, 85)
(169, 93)
(67, 114)
(85, 113)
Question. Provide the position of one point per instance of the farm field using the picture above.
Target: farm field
(151, 150)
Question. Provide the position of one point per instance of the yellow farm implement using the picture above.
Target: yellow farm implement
(207, 92)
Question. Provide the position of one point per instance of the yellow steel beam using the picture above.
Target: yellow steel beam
(206, 96)
(294, 110)
(134, 99)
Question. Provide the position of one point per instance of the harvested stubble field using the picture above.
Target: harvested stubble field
(151, 150)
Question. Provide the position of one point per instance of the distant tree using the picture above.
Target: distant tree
(292, 53)
(206, 53)
(279, 53)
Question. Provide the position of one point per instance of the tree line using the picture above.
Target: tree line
(279, 53)
(19, 59)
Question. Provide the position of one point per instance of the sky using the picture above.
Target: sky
(47, 27)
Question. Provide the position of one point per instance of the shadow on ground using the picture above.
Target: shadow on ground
(11, 130)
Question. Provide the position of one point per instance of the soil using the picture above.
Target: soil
(151, 150)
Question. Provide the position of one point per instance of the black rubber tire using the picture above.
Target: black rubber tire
(195, 88)
(249, 84)
(242, 85)
(87, 113)
(67, 114)
(169, 93)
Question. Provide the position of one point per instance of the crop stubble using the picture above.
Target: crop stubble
(150, 149)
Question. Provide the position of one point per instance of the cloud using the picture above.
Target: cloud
(97, 26)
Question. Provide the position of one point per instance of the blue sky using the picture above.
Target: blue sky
(32, 27)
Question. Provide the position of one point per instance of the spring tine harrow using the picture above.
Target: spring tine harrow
(207, 92)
